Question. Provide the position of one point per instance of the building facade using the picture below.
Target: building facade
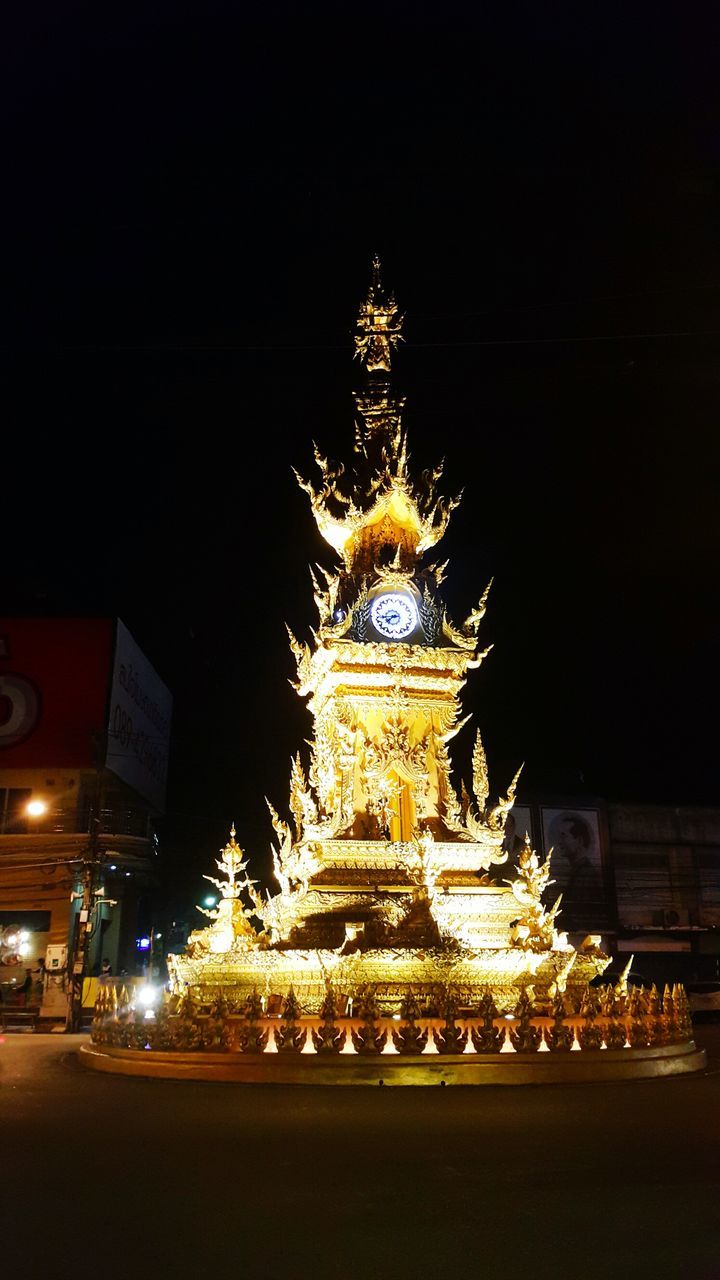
(647, 876)
(84, 729)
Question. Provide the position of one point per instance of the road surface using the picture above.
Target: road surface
(109, 1177)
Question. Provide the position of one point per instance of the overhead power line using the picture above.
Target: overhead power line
(559, 339)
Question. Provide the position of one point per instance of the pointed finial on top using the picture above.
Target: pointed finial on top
(232, 831)
(376, 280)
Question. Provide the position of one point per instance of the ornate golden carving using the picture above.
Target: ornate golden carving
(487, 1038)
(640, 1029)
(289, 1037)
(369, 1038)
(451, 1038)
(534, 930)
(410, 1038)
(682, 1013)
(252, 1038)
(524, 1037)
(611, 1005)
(590, 1033)
(328, 1038)
(559, 1037)
(231, 921)
(386, 877)
(379, 326)
(187, 1031)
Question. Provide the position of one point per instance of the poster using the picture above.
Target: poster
(577, 870)
(518, 824)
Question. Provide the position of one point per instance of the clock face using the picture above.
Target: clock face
(394, 615)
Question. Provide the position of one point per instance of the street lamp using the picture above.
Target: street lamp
(36, 808)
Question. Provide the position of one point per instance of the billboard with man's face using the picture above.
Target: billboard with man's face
(573, 835)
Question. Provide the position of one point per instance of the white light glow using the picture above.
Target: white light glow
(36, 808)
(24, 949)
(147, 996)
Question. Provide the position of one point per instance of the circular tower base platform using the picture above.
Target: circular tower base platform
(400, 1069)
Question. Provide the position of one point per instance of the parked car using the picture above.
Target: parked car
(704, 999)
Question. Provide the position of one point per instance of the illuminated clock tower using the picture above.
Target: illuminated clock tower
(387, 877)
(383, 679)
(398, 925)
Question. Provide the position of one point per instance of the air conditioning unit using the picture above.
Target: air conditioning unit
(672, 918)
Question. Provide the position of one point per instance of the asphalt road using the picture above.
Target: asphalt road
(112, 1177)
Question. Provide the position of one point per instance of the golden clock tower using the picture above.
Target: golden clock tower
(387, 876)
(398, 926)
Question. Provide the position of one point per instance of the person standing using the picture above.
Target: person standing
(25, 989)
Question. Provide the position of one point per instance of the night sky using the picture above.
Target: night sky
(192, 197)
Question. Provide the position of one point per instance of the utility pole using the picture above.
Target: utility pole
(83, 921)
(83, 925)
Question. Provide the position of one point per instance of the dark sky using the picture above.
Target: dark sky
(192, 196)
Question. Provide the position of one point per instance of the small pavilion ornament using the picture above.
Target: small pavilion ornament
(398, 932)
(230, 918)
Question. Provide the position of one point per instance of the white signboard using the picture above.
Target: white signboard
(138, 722)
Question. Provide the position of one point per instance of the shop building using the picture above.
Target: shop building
(84, 737)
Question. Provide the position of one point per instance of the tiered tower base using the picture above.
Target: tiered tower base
(610, 1038)
(401, 1069)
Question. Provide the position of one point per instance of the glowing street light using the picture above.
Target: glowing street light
(148, 997)
(36, 808)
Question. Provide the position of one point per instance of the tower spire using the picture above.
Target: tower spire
(379, 325)
(376, 280)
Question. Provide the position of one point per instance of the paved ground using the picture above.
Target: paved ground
(130, 1177)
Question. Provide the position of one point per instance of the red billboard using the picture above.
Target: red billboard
(54, 686)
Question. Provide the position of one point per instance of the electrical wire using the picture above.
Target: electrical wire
(558, 340)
